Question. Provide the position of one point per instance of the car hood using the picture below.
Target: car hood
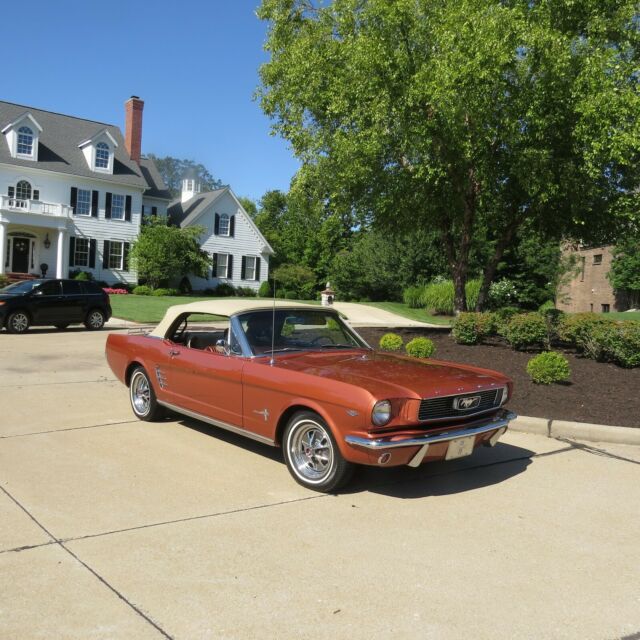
(8, 296)
(387, 375)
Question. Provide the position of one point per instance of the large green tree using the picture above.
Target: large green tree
(468, 118)
(174, 170)
(625, 270)
(163, 252)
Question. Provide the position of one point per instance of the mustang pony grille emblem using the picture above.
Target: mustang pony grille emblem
(468, 402)
(264, 413)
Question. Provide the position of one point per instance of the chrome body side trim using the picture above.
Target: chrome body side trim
(218, 423)
(419, 441)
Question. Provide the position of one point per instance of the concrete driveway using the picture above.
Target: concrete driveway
(113, 528)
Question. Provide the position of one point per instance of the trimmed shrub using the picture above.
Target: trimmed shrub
(548, 367)
(265, 290)
(224, 290)
(545, 306)
(290, 295)
(185, 287)
(247, 292)
(391, 342)
(527, 330)
(577, 328)
(82, 276)
(502, 317)
(472, 328)
(142, 290)
(4, 281)
(618, 342)
(420, 348)
(165, 292)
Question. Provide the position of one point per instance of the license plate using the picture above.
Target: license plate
(460, 447)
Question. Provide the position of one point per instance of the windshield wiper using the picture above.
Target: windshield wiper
(338, 346)
(283, 349)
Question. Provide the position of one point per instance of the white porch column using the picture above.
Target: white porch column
(3, 245)
(60, 253)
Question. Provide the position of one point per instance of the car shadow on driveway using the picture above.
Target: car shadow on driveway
(487, 466)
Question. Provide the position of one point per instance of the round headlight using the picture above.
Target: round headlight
(381, 413)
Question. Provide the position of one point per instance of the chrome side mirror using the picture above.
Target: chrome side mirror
(222, 347)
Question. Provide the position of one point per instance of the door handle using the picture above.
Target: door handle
(173, 353)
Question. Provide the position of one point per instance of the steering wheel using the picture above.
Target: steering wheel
(317, 340)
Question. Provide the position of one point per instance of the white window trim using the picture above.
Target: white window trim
(75, 253)
(124, 206)
(77, 212)
(29, 156)
(228, 233)
(112, 243)
(226, 266)
(94, 157)
(253, 269)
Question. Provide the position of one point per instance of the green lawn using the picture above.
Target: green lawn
(404, 310)
(624, 315)
(150, 309)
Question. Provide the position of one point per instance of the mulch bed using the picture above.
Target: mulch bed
(598, 392)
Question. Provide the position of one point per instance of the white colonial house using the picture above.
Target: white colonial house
(240, 253)
(73, 194)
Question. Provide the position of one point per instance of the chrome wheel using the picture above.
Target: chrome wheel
(18, 322)
(95, 320)
(311, 451)
(140, 391)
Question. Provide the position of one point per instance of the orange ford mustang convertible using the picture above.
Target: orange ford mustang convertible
(298, 377)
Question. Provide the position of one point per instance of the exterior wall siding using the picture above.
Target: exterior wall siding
(245, 242)
(56, 188)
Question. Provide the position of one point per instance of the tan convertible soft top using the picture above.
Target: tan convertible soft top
(223, 307)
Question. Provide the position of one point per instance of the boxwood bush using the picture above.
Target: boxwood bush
(548, 367)
(527, 330)
(142, 290)
(391, 342)
(160, 291)
(472, 328)
(420, 348)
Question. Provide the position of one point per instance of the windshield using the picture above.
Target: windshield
(296, 330)
(21, 287)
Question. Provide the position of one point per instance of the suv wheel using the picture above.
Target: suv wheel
(18, 322)
(95, 320)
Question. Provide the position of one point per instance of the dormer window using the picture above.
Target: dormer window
(102, 155)
(25, 141)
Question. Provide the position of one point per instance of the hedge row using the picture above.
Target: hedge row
(595, 335)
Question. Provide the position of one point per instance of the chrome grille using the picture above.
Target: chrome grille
(438, 408)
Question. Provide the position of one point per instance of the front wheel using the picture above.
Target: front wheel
(143, 397)
(95, 320)
(18, 322)
(312, 455)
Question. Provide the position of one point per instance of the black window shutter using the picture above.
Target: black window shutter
(257, 269)
(72, 251)
(229, 266)
(216, 226)
(107, 206)
(243, 269)
(73, 200)
(154, 211)
(105, 254)
(36, 194)
(94, 204)
(125, 256)
(11, 192)
(232, 226)
(92, 252)
(214, 265)
(127, 208)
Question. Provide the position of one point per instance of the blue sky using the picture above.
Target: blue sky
(195, 64)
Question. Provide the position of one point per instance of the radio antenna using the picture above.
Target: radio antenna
(273, 326)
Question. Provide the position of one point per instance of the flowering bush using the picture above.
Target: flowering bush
(114, 292)
(502, 293)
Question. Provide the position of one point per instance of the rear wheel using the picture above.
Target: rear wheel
(18, 322)
(95, 320)
(142, 396)
(312, 455)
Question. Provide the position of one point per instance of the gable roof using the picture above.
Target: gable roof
(59, 151)
(185, 213)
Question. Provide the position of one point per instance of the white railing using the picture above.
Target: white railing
(36, 206)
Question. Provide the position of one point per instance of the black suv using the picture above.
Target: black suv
(53, 302)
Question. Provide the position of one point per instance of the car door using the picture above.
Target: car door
(204, 382)
(47, 303)
(73, 299)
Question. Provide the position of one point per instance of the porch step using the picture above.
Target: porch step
(19, 277)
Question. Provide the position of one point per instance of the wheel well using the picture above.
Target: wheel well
(130, 368)
(286, 416)
(18, 310)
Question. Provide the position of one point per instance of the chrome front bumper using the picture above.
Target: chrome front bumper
(381, 444)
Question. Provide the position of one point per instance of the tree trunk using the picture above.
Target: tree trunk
(492, 263)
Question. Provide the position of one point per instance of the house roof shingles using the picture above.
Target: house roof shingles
(59, 151)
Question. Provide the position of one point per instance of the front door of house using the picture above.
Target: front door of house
(20, 255)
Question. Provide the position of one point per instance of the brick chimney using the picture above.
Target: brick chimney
(133, 127)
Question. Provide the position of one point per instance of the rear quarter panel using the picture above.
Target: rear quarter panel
(121, 350)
